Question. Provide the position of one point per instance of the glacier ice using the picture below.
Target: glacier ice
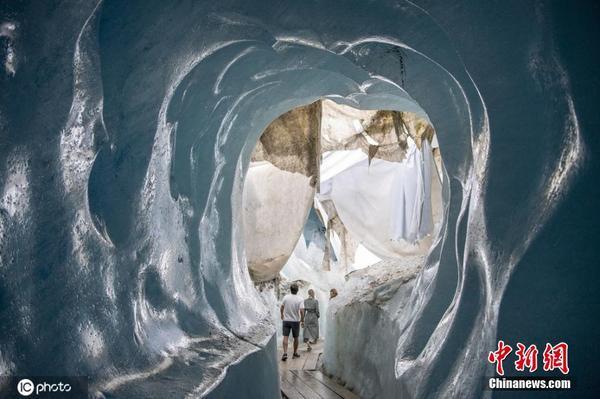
(126, 130)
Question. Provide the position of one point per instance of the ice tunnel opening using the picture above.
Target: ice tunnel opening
(195, 193)
(340, 198)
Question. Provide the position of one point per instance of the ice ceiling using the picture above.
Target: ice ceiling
(126, 131)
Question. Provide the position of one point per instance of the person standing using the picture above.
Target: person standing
(311, 320)
(292, 315)
(332, 293)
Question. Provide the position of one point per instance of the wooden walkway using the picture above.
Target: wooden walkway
(302, 379)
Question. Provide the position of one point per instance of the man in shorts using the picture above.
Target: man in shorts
(292, 314)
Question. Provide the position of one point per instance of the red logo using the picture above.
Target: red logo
(554, 357)
(499, 355)
(527, 358)
(557, 357)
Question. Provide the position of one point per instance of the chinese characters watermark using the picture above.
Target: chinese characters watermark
(553, 357)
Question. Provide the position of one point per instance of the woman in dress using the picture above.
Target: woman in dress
(311, 320)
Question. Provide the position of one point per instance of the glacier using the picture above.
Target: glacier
(126, 130)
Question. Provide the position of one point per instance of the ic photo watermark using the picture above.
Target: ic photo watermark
(43, 387)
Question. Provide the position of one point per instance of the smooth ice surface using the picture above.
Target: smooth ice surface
(126, 130)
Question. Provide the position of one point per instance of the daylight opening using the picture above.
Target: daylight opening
(337, 198)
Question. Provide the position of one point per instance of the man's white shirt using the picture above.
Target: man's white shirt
(291, 307)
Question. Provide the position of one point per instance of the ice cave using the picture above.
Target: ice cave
(168, 169)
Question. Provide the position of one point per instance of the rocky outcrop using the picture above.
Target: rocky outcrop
(279, 189)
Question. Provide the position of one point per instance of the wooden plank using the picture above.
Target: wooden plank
(302, 361)
(296, 363)
(311, 361)
(323, 390)
(289, 391)
(291, 363)
(334, 386)
(301, 386)
(320, 362)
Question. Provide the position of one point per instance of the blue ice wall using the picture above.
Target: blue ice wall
(125, 131)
